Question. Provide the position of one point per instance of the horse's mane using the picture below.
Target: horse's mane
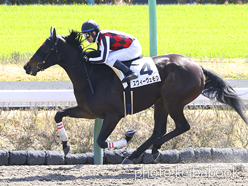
(74, 39)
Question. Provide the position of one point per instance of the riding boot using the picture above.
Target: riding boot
(129, 74)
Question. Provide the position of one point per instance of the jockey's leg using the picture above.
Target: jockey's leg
(129, 74)
(125, 54)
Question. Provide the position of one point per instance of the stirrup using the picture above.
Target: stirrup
(130, 77)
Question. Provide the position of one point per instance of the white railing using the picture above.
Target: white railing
(36, 95)
(32, 96)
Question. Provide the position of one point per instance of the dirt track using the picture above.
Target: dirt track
(140, 174)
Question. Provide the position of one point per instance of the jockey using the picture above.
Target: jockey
(114, 46)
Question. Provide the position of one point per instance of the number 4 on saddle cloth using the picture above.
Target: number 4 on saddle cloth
(147, 74)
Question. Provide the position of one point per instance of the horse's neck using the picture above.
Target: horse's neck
(78, 77)
(100, 74)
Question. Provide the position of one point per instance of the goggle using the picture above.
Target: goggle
(86, 35)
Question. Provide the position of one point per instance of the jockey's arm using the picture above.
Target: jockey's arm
(105, 47)
(98, 46)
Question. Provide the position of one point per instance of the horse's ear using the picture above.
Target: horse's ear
(51, 31)
(54, 35)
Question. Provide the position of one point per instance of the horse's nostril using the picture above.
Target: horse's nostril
(27, 68)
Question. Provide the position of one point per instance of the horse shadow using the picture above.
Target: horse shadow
(63, 176)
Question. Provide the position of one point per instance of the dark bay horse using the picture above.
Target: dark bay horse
(182, 81)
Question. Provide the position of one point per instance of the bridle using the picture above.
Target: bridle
(40, 65)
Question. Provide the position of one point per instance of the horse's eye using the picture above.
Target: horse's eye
(45, 48)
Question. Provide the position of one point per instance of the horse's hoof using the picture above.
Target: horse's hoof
(129, 134)
(127, 161)
(156, 156)
(66, 150)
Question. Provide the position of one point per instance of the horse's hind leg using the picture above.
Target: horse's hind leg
(160, 115)
(182, 125)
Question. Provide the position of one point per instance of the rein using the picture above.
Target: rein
(41, 63)
(88, 78)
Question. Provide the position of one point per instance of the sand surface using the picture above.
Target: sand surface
(136, 174)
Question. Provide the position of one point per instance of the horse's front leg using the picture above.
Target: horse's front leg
(109, 123)
(75, 112)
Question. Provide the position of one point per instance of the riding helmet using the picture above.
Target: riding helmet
(89, 26)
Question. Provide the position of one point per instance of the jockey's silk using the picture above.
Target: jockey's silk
(116, 45)
(118, 40)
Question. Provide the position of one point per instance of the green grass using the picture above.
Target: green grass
(202, 31)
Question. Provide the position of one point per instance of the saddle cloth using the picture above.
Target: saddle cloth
(146, 70)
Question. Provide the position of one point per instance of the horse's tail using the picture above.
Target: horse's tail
(216, 88)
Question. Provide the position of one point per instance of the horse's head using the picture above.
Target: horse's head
(65, 51)
(46, 56)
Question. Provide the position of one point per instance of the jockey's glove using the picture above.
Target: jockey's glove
(86, 58)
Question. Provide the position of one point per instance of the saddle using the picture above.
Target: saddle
(128, 93)
(147, 74)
